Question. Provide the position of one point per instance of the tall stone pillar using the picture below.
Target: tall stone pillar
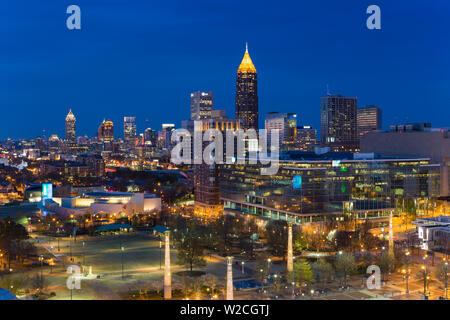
(391, 235)
(229, 278)
(290, 258)
(167, 274)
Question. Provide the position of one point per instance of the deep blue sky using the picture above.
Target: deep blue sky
(142, 58)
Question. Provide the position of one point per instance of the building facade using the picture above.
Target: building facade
(285, 123)
(71, 128)
(327, 187)
(129, 131)
(338, 123)
(414, 139)
(306, 139)
(247, 93)
(106, 131)
(201, 105)
(369, 119)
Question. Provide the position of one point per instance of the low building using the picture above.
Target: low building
(434, 233)
(106, 203)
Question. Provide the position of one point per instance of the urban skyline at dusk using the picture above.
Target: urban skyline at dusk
(150, 70)
(238, 153)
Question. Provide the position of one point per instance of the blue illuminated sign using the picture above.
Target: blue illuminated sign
(47, 191)
(297, 182)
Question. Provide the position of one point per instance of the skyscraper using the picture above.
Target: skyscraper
(129, 131)
(71, 128)
(106, 131)
(338, 126)
(201, 105)
(369, 119)
(286, 123)
(306, 138)
(247, 93)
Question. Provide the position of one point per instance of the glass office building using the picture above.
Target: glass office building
(314, 188)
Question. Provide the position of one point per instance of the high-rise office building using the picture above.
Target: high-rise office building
(201, 105)
(285, 123)
(206, 182)
(247, 93)
(165, 135)
(369, 119)
(71, 127)
(106, 131)
(150, 137)
(338, 123)
(129, 131)
(306, 138)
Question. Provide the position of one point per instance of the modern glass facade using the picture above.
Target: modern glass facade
(313, 187)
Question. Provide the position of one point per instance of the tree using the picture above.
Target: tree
(276, 233)
(11, 234)
(300, 244)
(302, 272)
(442, 272)
(345, 265)
(39, 282)
(387, 263)
(191, 246)
(323, 270)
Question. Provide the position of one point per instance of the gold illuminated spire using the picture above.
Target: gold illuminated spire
(70, 116)
(246, 64)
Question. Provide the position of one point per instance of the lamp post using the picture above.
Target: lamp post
(122, 249)
(446, 279)
(407, 272)
(70, 247)
(42, 264)
(160, 254)
(242, 263)
(84, 255)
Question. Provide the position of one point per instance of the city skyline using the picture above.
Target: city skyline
(45, 84)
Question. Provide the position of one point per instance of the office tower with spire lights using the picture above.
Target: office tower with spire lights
(71, 128)
(247, 93)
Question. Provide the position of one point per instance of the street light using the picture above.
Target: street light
(84, 255)
(446, 279)
(407, 272)
(122, 250)
(242, 263)
(160, 248)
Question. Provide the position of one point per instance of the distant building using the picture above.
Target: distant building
(338, 123)
(414, 139)
(71, 128)
(306, 138)
(285, 123)
(369, 119)
(65, 168)
(201, 105)
(247, 93)
(95, 162)
(150, 137)
(218, 114)
(106, 131)
(165, 135)
(129, 131)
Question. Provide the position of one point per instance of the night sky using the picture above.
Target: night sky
(142, 58)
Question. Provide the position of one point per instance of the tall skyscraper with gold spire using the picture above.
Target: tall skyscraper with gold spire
(247, 93)
(71, 127)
